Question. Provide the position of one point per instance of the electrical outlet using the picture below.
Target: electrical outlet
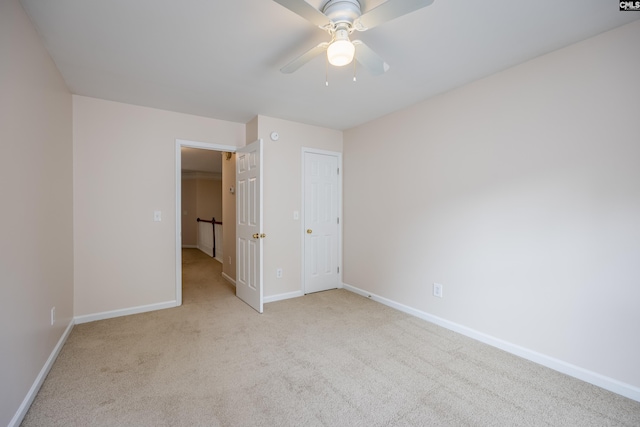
(53, 315)
(437, 290)
(278, 273)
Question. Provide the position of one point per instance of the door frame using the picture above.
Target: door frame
(338, 155)
(191, 144)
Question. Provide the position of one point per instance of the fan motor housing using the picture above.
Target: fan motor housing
(339, 11)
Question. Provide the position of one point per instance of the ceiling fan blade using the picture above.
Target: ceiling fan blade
(369, 59)
(304, 58)
(391, 9)
(305, 10)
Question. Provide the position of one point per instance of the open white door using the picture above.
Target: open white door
(249, 233)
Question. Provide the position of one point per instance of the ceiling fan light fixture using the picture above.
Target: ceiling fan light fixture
(340, 52)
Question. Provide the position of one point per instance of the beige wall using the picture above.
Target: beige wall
(252, 130)
(283, 196)
(229, 216)
(36, 219)
(209, 199)
(189, 216)
(124, 169)
(520, 193)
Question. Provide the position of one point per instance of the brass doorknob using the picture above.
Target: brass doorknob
(262, 236)
(256, 236)
(309, 231)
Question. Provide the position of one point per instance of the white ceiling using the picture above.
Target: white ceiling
(221, 59)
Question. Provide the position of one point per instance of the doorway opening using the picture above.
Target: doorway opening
(198, 167)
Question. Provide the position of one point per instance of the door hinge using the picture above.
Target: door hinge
(338, 220)
(338, 171)
(338, 269)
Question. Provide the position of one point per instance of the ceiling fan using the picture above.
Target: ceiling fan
(340, 18)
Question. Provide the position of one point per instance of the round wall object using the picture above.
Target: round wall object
(274, 136)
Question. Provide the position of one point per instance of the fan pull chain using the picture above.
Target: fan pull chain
(354, 69)
(326, 72)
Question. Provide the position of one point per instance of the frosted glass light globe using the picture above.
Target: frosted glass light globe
(340, 52)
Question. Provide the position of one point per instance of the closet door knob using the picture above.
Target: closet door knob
(309, 231)
(256, 236)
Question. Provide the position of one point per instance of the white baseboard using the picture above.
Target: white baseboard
(607, 383)
(206, 249)
(124, 312)
(33, 391)
(280, 297)
(228, 279)
(189, 246)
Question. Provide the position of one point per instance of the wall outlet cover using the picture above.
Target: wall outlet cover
(437, 290)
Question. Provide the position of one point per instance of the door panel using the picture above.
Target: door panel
(321, 222)
(249, 225)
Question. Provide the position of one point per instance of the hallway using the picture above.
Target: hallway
(202, 281)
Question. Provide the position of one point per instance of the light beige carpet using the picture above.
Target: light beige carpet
(328, 359)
